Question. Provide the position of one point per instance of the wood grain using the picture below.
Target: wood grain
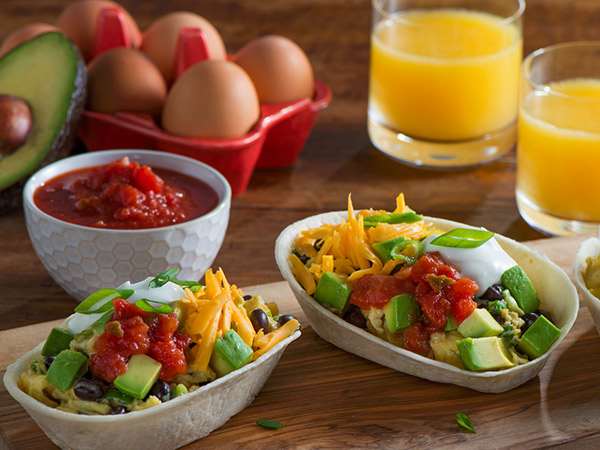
(327, 398)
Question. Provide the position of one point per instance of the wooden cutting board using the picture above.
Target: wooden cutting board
(327, 398)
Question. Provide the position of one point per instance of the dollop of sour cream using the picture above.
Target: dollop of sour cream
(484, 264)
(167, 293)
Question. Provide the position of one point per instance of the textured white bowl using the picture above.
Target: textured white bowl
(557, 294)
(170, 425)
(84, 259)
(588, 248)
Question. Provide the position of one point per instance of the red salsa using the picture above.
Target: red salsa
(133, 331)
(125, 195)
(438, 288)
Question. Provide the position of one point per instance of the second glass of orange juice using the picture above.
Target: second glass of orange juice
(558, 152)
(444, 77)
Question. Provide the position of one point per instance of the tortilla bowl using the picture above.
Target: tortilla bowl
(588, 248)
(167, 426)
(557, 294)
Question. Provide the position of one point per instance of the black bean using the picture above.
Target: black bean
(161, 390)
(247, 297)
(259, 320)
(87, 389)
(355, 317)
(117, 410)
(494, 292)
(318, 244)
(285, 318)
(49, 360)
(303, 259)
(498, 318)
(529, 318)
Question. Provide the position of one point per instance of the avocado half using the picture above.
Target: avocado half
(50, 75)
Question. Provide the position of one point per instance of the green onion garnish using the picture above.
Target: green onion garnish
(408, 250)
(465, 422)
(394, 218)
(163, 278)
(273, 424)
(463, 238)
(105, 298)
(144, 304)
(193, 286)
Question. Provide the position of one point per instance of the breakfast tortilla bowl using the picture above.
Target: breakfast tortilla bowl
(557, 296)
(170, 425)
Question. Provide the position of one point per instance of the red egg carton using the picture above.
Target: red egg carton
(275, 141)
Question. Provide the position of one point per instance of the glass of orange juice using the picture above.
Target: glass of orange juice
(444, 79)
(558, 149)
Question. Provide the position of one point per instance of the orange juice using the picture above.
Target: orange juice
(559, 149)
(445, 75)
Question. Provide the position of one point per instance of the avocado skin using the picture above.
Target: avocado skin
(11, 196)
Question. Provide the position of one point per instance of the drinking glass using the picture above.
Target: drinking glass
(558, 149)
(444, 78)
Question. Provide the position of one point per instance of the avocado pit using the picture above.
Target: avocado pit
(16, 122)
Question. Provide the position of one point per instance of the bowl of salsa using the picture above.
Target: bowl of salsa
(109, 216)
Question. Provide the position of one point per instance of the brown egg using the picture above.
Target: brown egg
(124, 79)
(279, 69)
(211, 100)
(79, 20)
(24, 34)
(160, 40)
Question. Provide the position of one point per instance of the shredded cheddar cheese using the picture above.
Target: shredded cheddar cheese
(346, 249)
(209, 314)
(265, 342)
(215, 309)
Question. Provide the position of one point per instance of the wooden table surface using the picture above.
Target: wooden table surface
(337, 159)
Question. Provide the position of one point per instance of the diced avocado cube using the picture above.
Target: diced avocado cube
(58, 340)
(485, 353)
(451, 323)
(384, 249)
(521, 288)
(400, 312)
(67, 367)
(480, 323)
(118, 396)
(142, 373)
(538, 337)
(333, 290)
(179, 390)
(230, 353)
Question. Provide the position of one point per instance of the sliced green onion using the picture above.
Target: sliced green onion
(408, 250)
(104, 297)
(144, 304)
(273, 424)
(193, 286)
(394, 218)
(99, 324)
(495, 307)
(463, 238)
(163, 278)
(465, 421)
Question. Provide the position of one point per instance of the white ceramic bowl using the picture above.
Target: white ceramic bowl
(84, 259)
(588, 248)
(168, 426)
(557, 294)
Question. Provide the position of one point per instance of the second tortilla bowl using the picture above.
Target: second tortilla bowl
(555, 290)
